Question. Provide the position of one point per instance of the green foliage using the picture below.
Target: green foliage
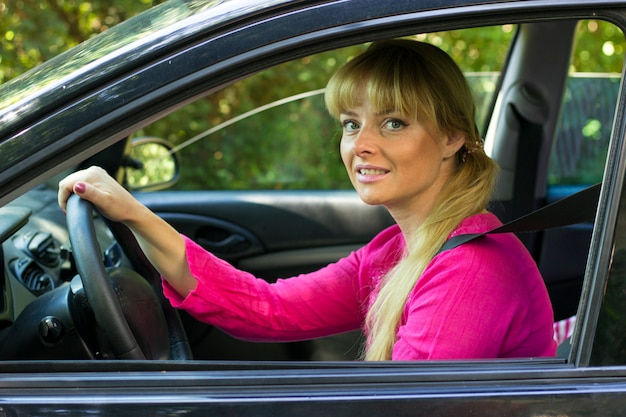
(291, 146)
(158, 167)
(600, 47)
(294, 146)
(585, 130)
(33, 31)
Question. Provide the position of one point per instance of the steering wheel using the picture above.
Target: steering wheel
(104, 298)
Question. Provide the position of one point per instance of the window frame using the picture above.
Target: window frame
(405, 381)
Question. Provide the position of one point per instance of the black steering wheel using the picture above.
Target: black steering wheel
(162, 321)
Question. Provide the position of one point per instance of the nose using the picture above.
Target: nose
(365, 142)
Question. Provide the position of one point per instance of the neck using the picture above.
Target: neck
(409, 221)
(410, 215)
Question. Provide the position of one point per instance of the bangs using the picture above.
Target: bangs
(379, 76)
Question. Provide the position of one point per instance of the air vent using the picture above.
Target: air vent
(32, 276)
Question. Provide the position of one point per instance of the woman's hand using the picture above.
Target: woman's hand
(105, 193)
(163, 246)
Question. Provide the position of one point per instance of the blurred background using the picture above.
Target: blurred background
(34, 31)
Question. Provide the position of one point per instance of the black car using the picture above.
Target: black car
(210, 112)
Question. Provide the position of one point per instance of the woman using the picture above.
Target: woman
(409, 143)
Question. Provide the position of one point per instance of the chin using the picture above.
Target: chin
(371, 201)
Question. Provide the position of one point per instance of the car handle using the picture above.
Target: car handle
(230, 244)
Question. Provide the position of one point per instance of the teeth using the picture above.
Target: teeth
(371, 171)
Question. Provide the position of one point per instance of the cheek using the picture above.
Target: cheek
(422, 160)
(345, 151)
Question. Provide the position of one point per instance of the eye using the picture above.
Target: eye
(394, 124)
(350, 125)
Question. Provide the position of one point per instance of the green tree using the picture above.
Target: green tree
(33, 31)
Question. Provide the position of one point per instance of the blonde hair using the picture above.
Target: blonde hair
(420, 80)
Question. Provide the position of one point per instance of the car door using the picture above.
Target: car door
(591, 380)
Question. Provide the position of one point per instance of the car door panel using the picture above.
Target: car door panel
(293, 262)
(275, 233)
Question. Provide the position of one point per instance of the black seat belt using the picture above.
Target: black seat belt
(529, 141)
(528, 146)
(577, 208)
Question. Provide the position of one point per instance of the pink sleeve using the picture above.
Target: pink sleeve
(304, 307)
(481, 300)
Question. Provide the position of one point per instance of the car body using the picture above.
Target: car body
(82, 107)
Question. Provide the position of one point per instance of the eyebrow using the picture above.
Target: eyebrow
(381, 113)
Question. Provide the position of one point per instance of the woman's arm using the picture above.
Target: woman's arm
(317, 304)
(161, 243)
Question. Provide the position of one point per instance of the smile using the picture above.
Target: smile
(370, 175)
(370, 171)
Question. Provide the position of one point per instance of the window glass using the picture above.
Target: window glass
(578, 157)
(588, 109)
(610, 336)
(271, 131)
(609, 344)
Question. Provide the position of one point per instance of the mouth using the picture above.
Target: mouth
(371, 171)
(367, 175)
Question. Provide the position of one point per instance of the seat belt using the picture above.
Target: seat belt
(576, 208)
(528, 144)
(528, 147)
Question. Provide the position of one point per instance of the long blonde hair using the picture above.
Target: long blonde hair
(420, 80)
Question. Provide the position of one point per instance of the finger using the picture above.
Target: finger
(65, 190)
(87, 191)
(76, 183)
(80, 188)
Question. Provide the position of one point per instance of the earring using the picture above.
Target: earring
(473, 147)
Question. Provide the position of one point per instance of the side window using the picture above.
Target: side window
(271, 131)
(610, 336)
(584, 129)
(578, 156)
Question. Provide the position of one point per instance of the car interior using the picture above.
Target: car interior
(542, 123)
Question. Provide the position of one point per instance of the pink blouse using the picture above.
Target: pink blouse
(483, 299)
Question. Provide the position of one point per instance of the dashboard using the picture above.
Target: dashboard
(39, 283)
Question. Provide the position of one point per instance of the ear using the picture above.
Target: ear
(453, 142)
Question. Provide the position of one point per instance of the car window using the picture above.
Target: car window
(610, 338)
(253, 134)
(586, 119)
(52, 71)
(603, 88)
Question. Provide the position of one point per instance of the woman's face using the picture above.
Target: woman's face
(395, 160)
